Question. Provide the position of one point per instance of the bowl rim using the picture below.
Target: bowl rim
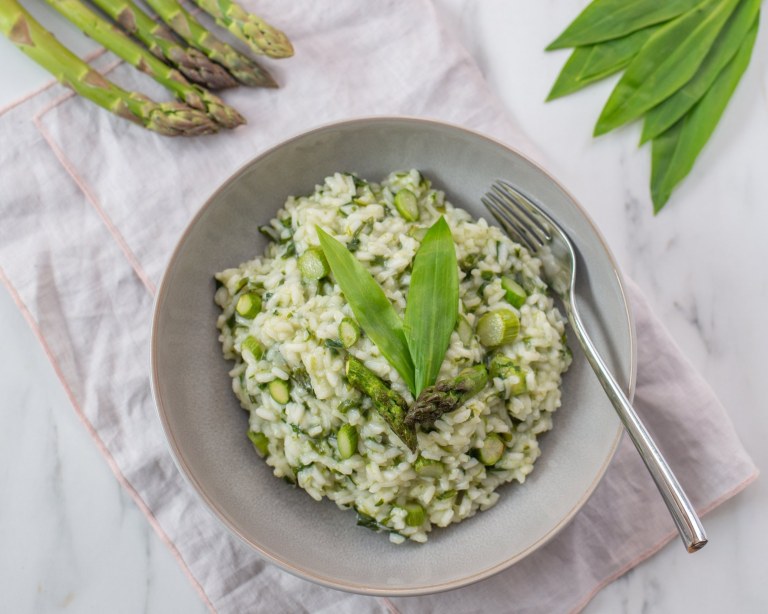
(222, 515)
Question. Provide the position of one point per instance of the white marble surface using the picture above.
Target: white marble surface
(73, 541)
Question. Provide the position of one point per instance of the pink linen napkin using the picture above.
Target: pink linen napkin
(92, 207)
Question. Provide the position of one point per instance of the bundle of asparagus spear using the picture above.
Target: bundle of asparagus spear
(177, 51)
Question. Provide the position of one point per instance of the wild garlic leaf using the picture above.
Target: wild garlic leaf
(674, 152)
(666, 62)
(372, 308)
(432, 306)
(725, 47)
(607, 19)
(594, 62)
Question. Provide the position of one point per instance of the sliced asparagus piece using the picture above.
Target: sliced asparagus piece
(172, 119)
(248, 305)
(193, 64)
(245, 70)
(415, 514)
(407, 205)
(260, 442)
(253, 30)
(428, 468)
(313, 264)
(349, 332)
(279, 390)
(464, 328)
(492, 450)
(498, 327)
(104, 33)
(346, 441)
(390, 405)
(446, 396)
(252, 345)
(514, 292)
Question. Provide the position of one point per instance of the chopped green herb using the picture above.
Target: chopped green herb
(346, 405)
(504, 367)
(290, 250)
(364, 520)
(270, 233)
(333, 344)
(301, 377)
(448, 494)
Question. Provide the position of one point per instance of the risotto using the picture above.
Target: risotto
(289, 330)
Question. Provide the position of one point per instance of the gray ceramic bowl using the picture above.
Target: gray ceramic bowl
(206, 427)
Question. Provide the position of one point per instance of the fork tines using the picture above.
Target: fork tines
(517, 215)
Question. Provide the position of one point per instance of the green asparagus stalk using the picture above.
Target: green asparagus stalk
(193, 64)
(446, 396)
(245, 70)
(173, 119)
(112, 38)
(258, 34)
(390, 405)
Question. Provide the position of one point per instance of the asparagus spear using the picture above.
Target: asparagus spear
(245, 70)
(40, 45)
(390, 405)
(252, 29)
(446, 396)
(112, 38)
(194, 65)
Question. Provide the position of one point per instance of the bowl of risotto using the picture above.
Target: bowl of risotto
(365, 379)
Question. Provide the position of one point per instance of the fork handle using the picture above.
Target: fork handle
(688, 523)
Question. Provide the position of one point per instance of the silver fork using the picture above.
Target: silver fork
(523, 220)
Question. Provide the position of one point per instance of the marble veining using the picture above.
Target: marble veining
(73, 540)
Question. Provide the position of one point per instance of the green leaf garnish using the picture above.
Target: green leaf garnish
(433, 303)
(674, 152)
(607, 19)
(665, 63)
(370, 305)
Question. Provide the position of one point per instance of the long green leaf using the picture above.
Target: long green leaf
(371, 307)
(594, 62)
(674, 152)
(667, 61)
(433, 303)
(606, 19)
(662, 116)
